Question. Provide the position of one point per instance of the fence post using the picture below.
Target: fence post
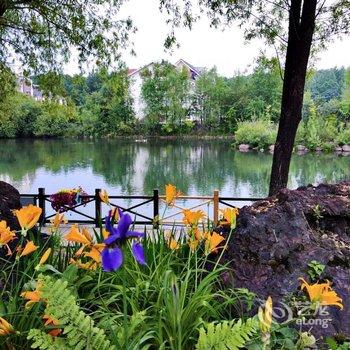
(98, 207)
(216, 207)
(155, 208)
(41, 203)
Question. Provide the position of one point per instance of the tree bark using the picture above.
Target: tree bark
(300, 34)
(2, 9)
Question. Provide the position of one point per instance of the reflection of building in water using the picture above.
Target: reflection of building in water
(141, 161)
(23, 185)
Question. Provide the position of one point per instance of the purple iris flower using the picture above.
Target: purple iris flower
(112, 255)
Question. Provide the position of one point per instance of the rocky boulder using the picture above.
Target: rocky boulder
(278, 237)
(243, 147)
(301, 149)
(346, 148)
(9, 200)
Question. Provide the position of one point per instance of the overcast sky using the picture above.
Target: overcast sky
(204, 46)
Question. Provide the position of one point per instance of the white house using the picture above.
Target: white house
(25, 86)
(135, 76)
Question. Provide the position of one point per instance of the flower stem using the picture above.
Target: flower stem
(125, 312)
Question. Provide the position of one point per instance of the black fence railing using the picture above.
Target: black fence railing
(95, 215)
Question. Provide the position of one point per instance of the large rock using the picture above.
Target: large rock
(346, 148)
(9, 200)
(276, 238)
(243, 147)
(301, 149)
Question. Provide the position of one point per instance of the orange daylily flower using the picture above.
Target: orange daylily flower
(104, 196)
(322, 294)
(84, 237)
(50, 321)
(170, 194)
(28, 216)
(192, 218)
(199, 235)
(265, 316)
(193, 244)
(45, 256)
(115, 214)
(87, 234)
(29, 248)
(57, 220)
(5, 327)
(95, 252)
(105, 233)
(212, 242)
(230, 215)
(173, 244)
(6, 235)
(196, 236)
(74, 235)
(91, 265)
(80, 251)
(32, 297)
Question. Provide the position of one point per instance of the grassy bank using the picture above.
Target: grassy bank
(324, 134)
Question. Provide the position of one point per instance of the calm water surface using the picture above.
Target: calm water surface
(129, 167)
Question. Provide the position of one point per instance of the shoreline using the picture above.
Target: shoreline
(242, 148)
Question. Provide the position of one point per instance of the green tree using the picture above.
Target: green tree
(309, 23)
(110, 108)
(165, 91)
(327, 84)
(7, 82)
(265, 89)
(209, 97)
(51, 84)
(43, 33)
(238, 98)
(55, 120)
(76, 88)
(345, 96)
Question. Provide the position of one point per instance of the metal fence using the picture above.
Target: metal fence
(42, 199)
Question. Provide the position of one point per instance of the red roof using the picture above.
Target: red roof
(131, 70)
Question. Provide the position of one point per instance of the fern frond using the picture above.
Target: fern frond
(78, 328)
(227, 335)
(44, 341)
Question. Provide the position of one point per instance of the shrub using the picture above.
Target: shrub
(343, 137)
(55, 120)
(319, 132)
(178, 300)
(259, 133)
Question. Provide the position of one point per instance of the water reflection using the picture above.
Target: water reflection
(128, 167)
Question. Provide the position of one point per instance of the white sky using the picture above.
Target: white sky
(203, 46)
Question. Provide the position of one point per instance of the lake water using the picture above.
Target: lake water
(130, 168)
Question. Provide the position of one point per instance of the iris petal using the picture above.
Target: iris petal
(138, 253)
(123, 224)
(111, 239)
(112, 259)
(132, 234)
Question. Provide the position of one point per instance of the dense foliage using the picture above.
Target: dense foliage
(165, 92)
(69, 292)
(42, 33)
(100, 104)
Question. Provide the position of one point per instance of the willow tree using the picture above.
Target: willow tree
(295, 28)
(42, 34)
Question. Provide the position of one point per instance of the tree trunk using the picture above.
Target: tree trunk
(300, 33)
(2, 9)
